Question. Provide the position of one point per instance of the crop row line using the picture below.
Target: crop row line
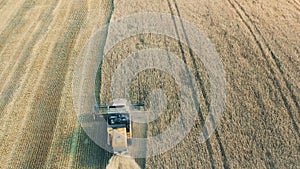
(43, 116)
(30, 79)
(13, 81)
(18, 83)
(15, 24)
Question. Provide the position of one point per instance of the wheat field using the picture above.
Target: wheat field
(259, 45)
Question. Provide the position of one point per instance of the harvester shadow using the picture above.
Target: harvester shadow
(90, 154)
(84, 152)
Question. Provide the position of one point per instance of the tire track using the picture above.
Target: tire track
(204, 93)
(276, 82)
(42, 118)
(198, 77)
(202, 120)
(273, 56)
(289, 57)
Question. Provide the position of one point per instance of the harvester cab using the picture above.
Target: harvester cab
(119, 124)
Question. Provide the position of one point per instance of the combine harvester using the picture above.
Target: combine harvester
(119, 124)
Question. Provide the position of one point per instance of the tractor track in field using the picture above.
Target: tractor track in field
(46, 104)
(198, 78)
(289, 57)
(203, 91)
(208, 144)
(274, 57)
(240, 11)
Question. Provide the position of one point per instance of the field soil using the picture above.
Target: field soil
(259, 45)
